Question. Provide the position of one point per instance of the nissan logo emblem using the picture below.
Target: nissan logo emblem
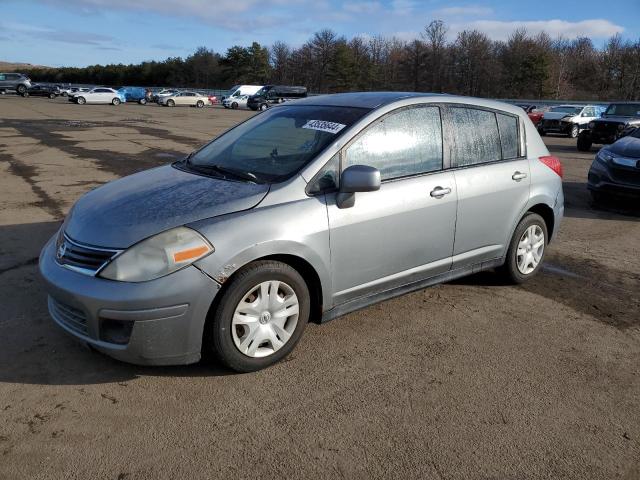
(62, 249)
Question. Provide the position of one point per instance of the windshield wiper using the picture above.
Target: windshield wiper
(225, 172)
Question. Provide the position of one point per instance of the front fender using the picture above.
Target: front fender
(298, 228)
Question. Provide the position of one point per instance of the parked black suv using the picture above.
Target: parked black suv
(272, 94)
(616, 168)
(618, 120)
(14, 81)
(42, 91)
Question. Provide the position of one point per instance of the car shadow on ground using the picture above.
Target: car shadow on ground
(579, 204)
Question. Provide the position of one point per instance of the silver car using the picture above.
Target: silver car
(306, 211)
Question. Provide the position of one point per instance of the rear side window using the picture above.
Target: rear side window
(475, 137)
(403, 143)
(508, 126)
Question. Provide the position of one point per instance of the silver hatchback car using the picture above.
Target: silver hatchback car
(306, 211)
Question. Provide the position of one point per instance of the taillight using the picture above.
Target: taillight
(553, 163)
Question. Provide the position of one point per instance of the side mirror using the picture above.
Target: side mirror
(356, 178)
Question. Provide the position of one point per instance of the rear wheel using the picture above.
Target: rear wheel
(199, 104)
(260, 317)
(81, 100)
(115, 101)
(575, 130)
(584, 142)
(526, 250)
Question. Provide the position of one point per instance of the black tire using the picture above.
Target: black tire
(584, 142)
(116, 101)
(170, 103)
(81, 100)
(264, 106)
(25, 94)
(510, 268)
(21, 89)
(52, 96)
(199, 104)
(218, 339)
(143, 101)
(575, 130)
(234, 105)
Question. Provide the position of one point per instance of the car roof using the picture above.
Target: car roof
(360, 99)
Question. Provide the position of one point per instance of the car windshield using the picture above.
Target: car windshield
(272, 146)
(624, 109)
(566, 109)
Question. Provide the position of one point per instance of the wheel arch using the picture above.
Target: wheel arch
(547, 214)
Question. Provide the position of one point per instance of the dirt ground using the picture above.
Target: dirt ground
(468, 380)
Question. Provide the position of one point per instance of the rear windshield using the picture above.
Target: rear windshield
(624, 109)
(277, 143)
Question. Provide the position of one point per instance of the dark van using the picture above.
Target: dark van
(272, 94)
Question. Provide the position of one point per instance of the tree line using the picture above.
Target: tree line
(523, 66)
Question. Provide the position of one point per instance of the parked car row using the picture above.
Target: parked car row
(261, 97)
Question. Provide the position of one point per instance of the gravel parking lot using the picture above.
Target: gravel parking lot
(472, 379)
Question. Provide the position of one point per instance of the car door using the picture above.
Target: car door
(492, 177)
(403, 232)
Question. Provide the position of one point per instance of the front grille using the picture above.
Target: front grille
(83, 258)
(607, 128)
(69, 316)
(626, 175)
(551, 123)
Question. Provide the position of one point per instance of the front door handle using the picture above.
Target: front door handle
(440, 192)
(517, 176)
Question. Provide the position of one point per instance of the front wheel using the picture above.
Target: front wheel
(234, 105)
(526, 250)
(115, 101)
(81, 100)
(260, 318)
(263, 107)
(21, 89)
(170, 103)
(25, 94)
(143, 101)
(52, 96)
(575, 130)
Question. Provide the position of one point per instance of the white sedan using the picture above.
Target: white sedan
(99, 95)
(192, 99)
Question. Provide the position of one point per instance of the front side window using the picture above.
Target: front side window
(623, 109)
(475, 137)
(403, 143)
(272, 146)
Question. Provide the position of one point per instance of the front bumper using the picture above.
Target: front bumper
(601, 180)
(159, 322)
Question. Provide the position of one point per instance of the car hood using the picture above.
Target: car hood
(626, 147)
(617, 119)
(557, 115)
(125, 211)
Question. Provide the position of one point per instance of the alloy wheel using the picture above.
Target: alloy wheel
(530, 249)
(265, 319)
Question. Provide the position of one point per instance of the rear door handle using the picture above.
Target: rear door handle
(517, 176)
(440, 192)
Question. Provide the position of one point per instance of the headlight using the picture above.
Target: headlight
(158, 256)
(592, 124)
(604, 156)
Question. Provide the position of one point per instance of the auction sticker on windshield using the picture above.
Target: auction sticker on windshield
(324, 126)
